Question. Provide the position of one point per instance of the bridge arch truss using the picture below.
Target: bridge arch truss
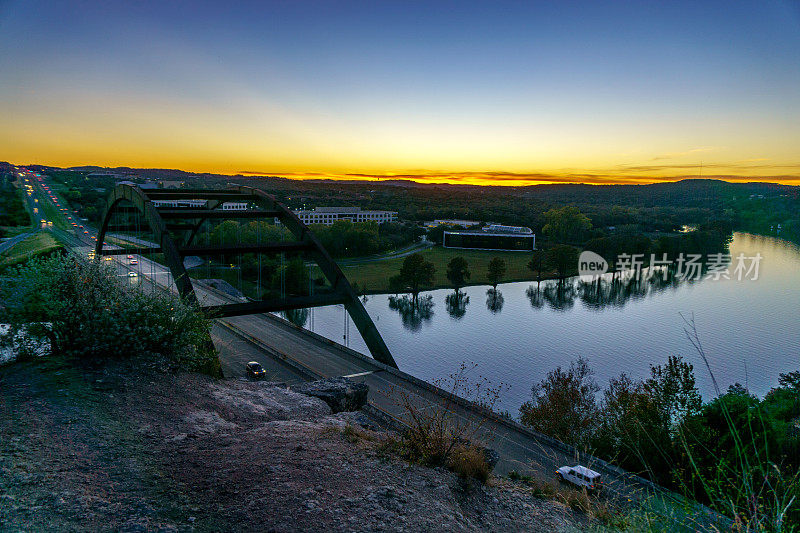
(175, 218)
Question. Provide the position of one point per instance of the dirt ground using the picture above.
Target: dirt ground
(122, 449)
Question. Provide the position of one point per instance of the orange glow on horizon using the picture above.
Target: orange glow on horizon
(513, 180)
(485, 178)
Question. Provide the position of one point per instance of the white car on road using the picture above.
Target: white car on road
(580, 476)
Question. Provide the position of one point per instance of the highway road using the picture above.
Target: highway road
(35, 199)
(291, 354)
(403, 252)
(32, 195)
(10, 242)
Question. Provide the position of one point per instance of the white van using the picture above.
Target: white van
(580, 476)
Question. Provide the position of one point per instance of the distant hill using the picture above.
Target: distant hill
(683, 192)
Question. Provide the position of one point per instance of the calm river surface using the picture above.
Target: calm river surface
(749, 329)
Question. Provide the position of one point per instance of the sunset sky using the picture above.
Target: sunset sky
(460, 92)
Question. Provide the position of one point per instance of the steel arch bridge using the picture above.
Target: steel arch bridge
(175, 218)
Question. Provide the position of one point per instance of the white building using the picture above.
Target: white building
(492, 237)
(328, 215)
(499, 228)
(192, 204)
(199, 204)
(234, 206)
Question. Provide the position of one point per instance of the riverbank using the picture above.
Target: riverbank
(373, 277)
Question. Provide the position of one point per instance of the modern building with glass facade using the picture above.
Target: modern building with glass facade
(492, 237)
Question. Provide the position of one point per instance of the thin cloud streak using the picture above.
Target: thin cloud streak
(500, 178)
(676, 155)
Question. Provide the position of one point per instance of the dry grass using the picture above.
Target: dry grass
(469, 462)
(610, 516)
(434, 437)
(578, 500)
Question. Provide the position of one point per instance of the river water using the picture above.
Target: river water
(750, 329)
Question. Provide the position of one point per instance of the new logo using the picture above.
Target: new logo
(591, 264)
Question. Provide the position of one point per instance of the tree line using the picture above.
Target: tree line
(12, 207)
(417, 274)
(737, 453)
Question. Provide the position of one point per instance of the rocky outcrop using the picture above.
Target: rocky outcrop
(341, 394)
(185, 452)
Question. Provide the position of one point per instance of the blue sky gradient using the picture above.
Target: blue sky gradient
(446, 91)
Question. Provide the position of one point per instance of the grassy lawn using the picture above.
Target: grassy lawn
(374, 277)
(13, 231)
(40, 243)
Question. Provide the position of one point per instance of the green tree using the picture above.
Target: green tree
(674, 391)
(458, 272)
(566, 224)
(436, 234)
(604, 247)
(639, 419)
(562, 258)
(563, 405)
(536, 264)
(83, 311)
(630, 430)
(296, 278)
(415, 275)
(496, 271)
(731, 458)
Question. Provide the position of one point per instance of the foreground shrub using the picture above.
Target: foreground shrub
(740, 453)
(84, 310)
(563, 405)
(435, 437)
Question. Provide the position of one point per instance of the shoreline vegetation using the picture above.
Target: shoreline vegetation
(371, 278)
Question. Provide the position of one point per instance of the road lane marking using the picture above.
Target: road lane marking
(359, 374)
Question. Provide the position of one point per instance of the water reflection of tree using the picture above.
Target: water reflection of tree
(617, 292)
(557, 294)
(456, 303)
(535, 295)
(412, 313)
(298, 317)
(494, 300)
(603, 291)
(560, 295)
